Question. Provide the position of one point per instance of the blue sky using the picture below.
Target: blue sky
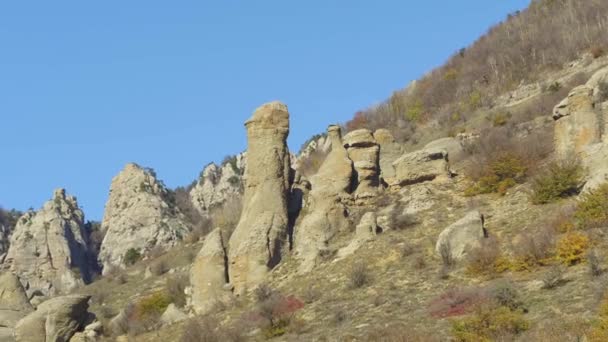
(87, 86)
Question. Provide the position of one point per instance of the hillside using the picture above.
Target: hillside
(470, 206)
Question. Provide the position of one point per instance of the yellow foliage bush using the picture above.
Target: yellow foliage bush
(571, 248)
(152, 306)
(592, 209)
(500, 174)
(489, 324)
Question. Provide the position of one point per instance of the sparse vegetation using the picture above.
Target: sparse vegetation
(359, 276)
(553, 277)
(592, 209)
(490, 324)
(559, 180)
(132, 256)
(572, 248)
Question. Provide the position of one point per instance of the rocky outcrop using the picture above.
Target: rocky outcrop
(5, 238)
(257, 241)
(366, 230)
(48, 249)
(218, 183)
(581, 128)
(57, 319)
(325, 213)
(421, 166)
(453, 146)
(364, 152)
(209, 274)
(14, 304)
(172, 315)
(462, 236)
(140, 214)
(390, 151)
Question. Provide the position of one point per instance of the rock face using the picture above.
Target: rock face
(140, 214)
(257, 241)
(453, 146)
(325, 214)
(420, 166)
(364, 152)
(57, 319)
(581, 123)
(462, 236)
(13, 300)
(48, 249)
(218, 183)
(390, 151)
(209, 273)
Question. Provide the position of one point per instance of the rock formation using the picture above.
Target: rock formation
(366, 230)
(5, 237)
(140, 214)
(363, 151)
(13, 301)
(462, 236)
(48, 249)
(453, 146)
(257, 241)
(325, 214)
(581, 123)
(390, 151)
(420, 166)
(218, 183)
(57, 319)
(209, 274)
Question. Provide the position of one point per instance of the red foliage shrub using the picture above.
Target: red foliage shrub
(456, 302)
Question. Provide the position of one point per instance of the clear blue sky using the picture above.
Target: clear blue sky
(87, 86)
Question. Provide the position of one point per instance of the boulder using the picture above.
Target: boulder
(366, 230)
(421, 166)
(325, 213)
(453, 146)
(390, 151)
(462, 236)
(48, 249)
(216, 184)
(57, 319)
(364, 152)
(209, 274)
(257, 242)
(140, 214)
(172, 315)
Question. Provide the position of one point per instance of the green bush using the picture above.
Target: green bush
(559, 180)
(489, 324)
(592, 209)
(152, 306)
(132, 256)
(500, 174)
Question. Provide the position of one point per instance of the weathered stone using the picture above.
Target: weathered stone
(219, 183)
(48, 249)
(209, 274)
(325, 214)
(13, 300)
(172, 315)
(366, 230)
(577, 124)
(257, 241)
(390, 151)
(452, 146)
(462, 236)
(364, 152)
(57, 319)
(140, 214)
(421, 166)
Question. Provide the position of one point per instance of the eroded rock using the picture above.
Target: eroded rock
(462, 236)
(364, 152)
(366, 230)
(390, 151)
(209, 274)
(421, 166)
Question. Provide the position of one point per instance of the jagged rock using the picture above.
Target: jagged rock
(5, 238)
(140, 214)
(48, 249)
(462, 236)
(364, 152)
(13, 300)
(366, 230)
(57, 319)
(172, 314)
(218, 183)
(209, 274)
(325, 214)
(390, 151)
(320, 144)
(577, 125)
(453, 146)
(257, 241)
(421, 166)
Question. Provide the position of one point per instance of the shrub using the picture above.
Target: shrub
(489, 324)
(159, 267)
(554, 87)
(399, 219)
(263, 292)
(571, 248)
(505, 294)
(596, 51)
(278, 311)
(554, 277)
(359, 276)
(445, 251)
(152, 306)
(207, 329)
(595, 266)
(592, 209)
(486, 259)
(456, 302)
(500, 119)
(559, 180)
(500, 174)
(534, 249)
(131, 256)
